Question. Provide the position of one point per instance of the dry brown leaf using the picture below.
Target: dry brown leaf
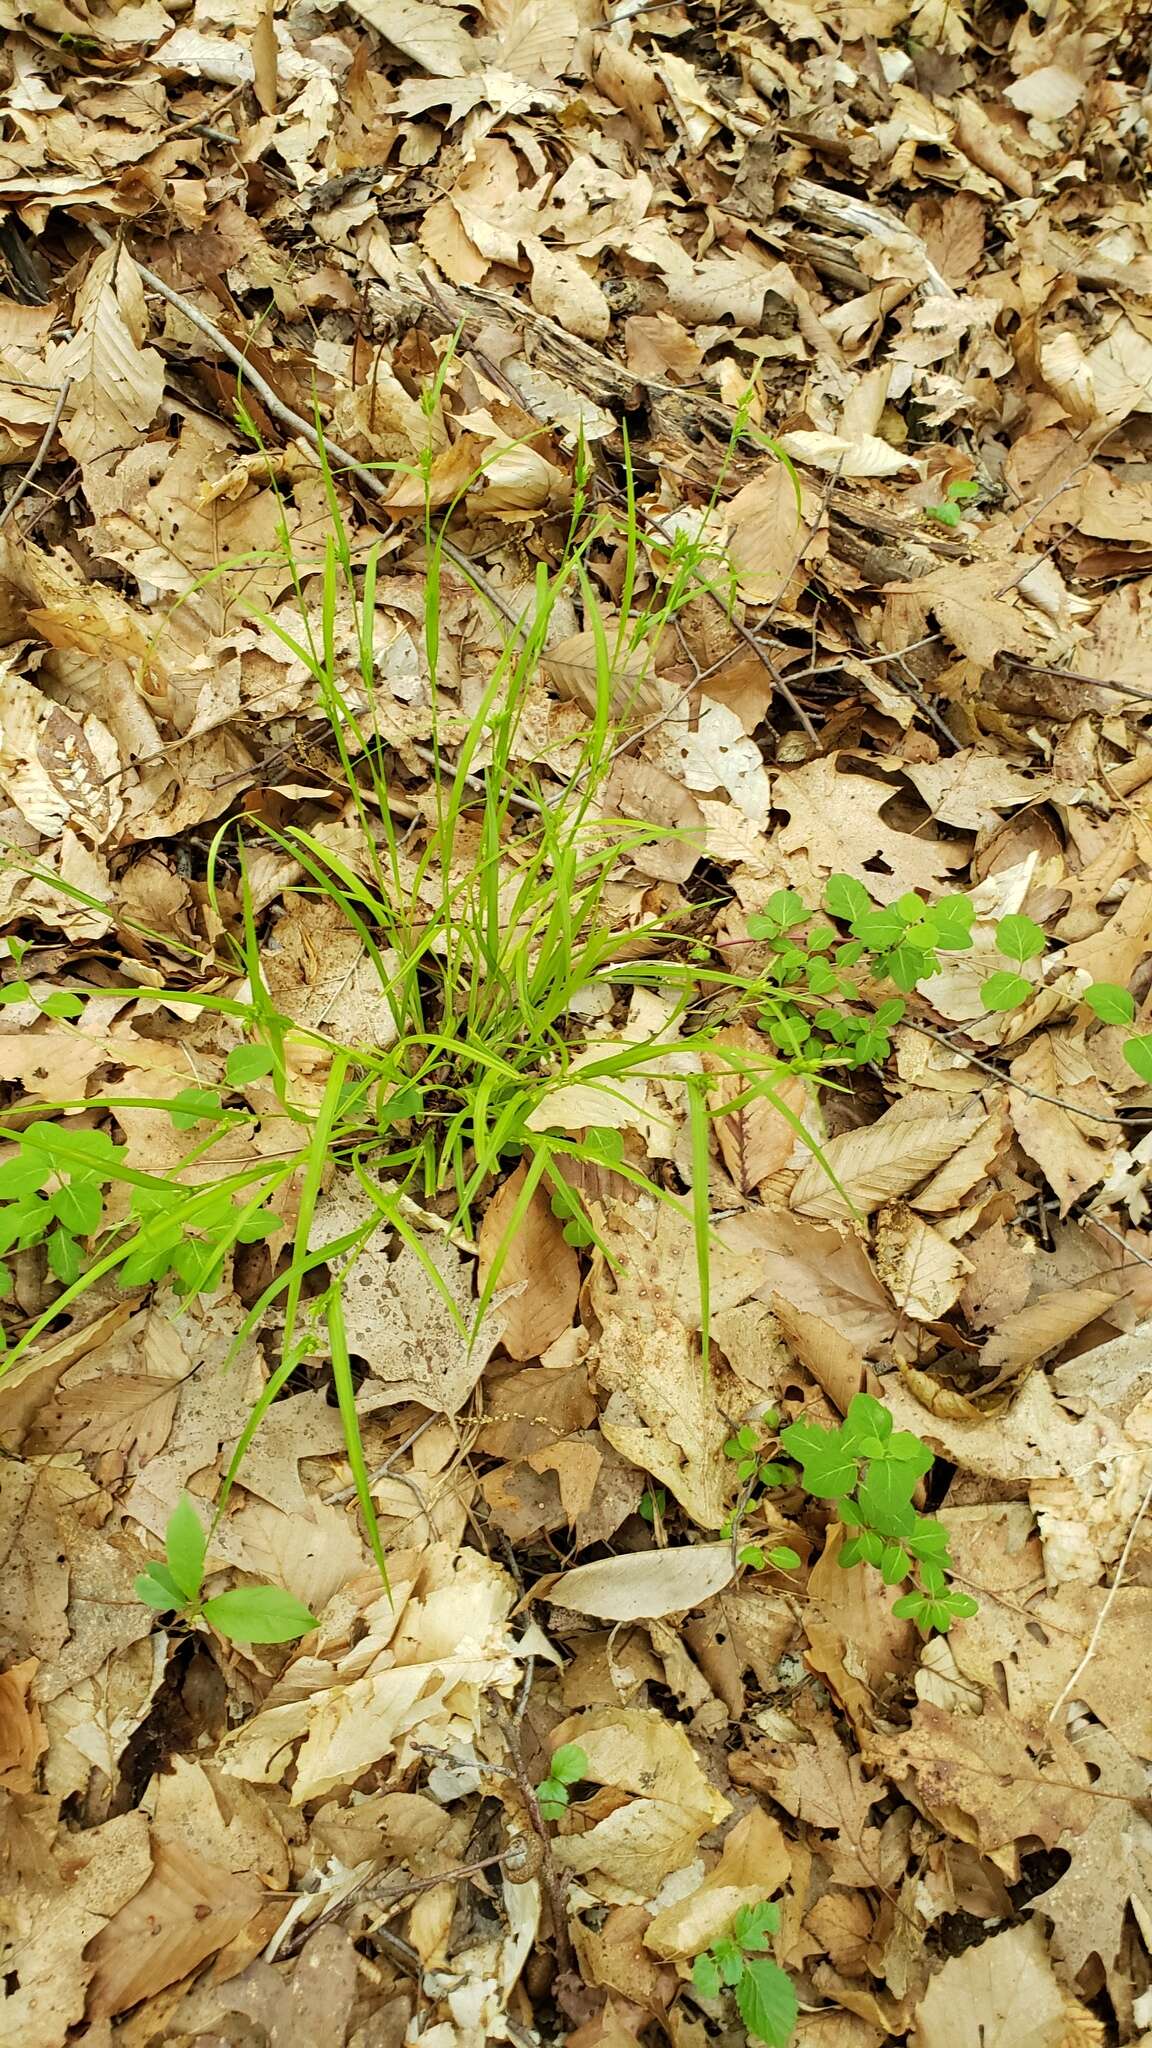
(421, 1665)
(833, 1361)
(988, 1778)
(22, 1737)
(838, 820)
(921, 1270)
(1110, 1871)
(564, 289)
(539, 1273)
(640, 790)
(767, 537)
(1074, 1157)
(188, 1909)
(1031, 1333)
(663, 1412)
(1001, 1994)
(417, 1346)
(979, 621)
(819, 1271)
(643, 1585)
(573, 667)
(757, 1140)
(874, 1165)
(117, 382)
(48, 1961)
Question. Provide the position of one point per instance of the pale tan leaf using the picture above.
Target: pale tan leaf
(644, 1585)
(186, 1911)
(48, 1958)
(1001, 1994)
(566, 291)
(876, 1164)
(975, 613)
(754, 1863)
(431, 35)
(637, 1750)
(868, 455)
(539, 1277)
(921, 1270)
(428, 1650)
(710, 751)
(767, 537)
(117, 383)
(264, 58)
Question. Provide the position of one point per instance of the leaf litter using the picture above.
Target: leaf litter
(907, 248)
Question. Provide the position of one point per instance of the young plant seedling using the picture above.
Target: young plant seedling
(750, 1449)
(950, 509)
(569, 1765)
(870, 1471)
(765, 1994)
(247, 1614)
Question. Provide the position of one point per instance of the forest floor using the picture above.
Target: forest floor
(757, 399)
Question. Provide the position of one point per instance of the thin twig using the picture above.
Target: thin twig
(382, 1471)
(1067, 1691)
(311, 432)
(1087, 1219)
(38, 460)
(1095, 1116)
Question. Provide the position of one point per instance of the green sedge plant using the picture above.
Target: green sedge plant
(488, 929)
(485, 930)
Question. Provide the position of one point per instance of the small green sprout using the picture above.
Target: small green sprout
(247, 1614)
(765, 1994)
(949, 512)
(569, 1765)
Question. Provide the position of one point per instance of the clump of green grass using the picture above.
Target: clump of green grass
(489, 927)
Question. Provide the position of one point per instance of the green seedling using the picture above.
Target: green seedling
(1115, 1005)
(750, 1449)
(869, 1471)
(653, 1504)
(765, 1994)
(553, 1793)
(950, 509)
(246, 1614)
